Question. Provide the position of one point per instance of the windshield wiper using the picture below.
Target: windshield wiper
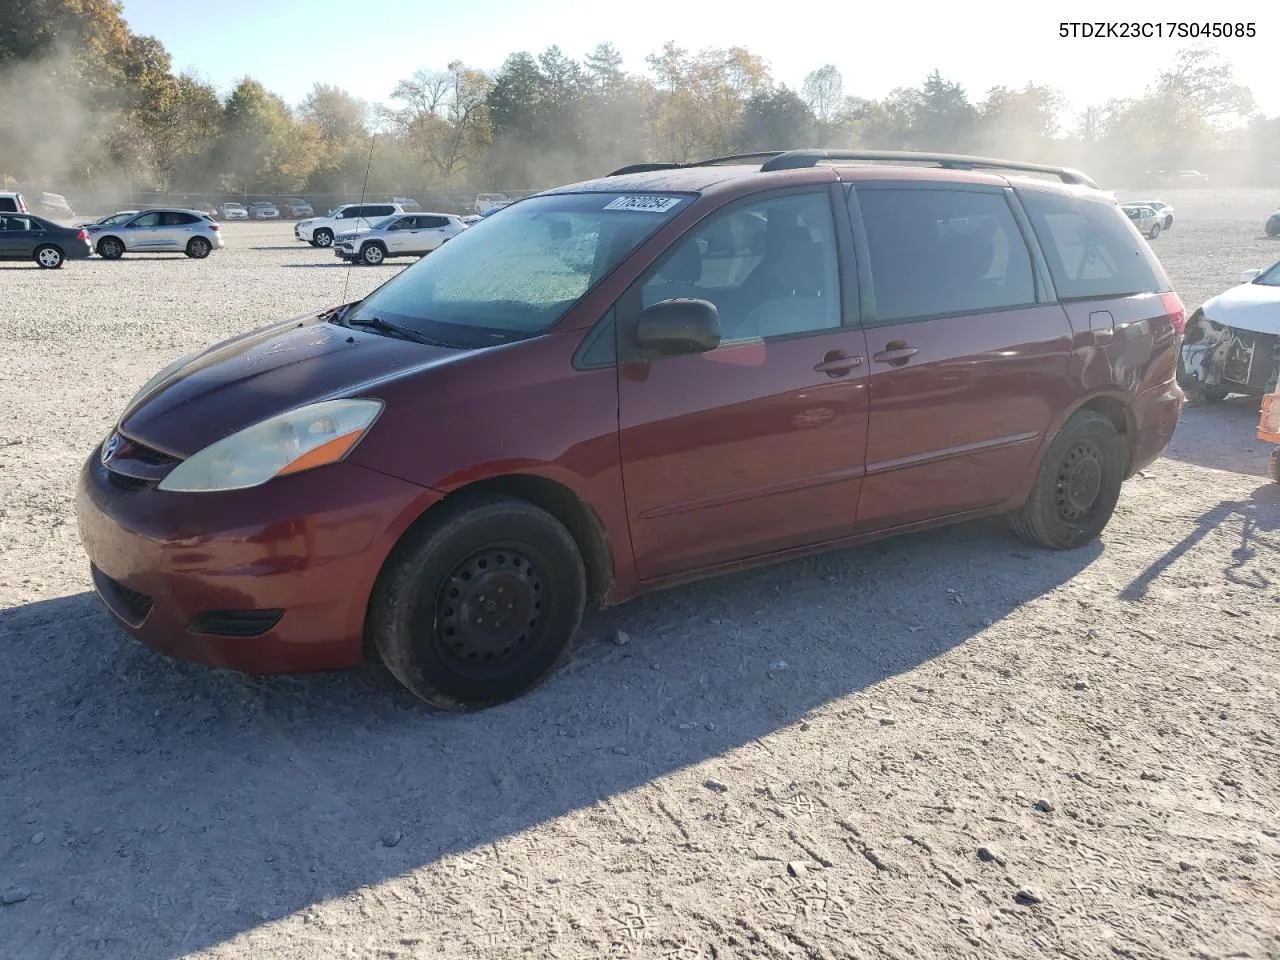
(386, 326)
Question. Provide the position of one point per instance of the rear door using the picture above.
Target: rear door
(16, 237)
(756, 446)
(178, 228)
(433, 233)
(967, 359)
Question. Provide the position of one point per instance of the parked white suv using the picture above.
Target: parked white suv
(320, 231)
(12, 203)
(399, 235)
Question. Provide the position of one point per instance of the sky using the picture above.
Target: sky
(366, 48)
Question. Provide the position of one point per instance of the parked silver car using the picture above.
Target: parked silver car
(158, 231)
(1144, 218)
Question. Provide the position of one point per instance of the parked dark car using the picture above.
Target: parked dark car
(24, 236)
(582, 399)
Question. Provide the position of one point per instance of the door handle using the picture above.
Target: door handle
(837, 364)
(895, 352)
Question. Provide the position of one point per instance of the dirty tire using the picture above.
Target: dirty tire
(492, 555)
(198, 248)
(322, 237)
(1077, 486)
(48, 257)
(109, 248)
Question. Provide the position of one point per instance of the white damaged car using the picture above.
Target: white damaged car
(1232, 341)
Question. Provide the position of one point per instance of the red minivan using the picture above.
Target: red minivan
(646, 378)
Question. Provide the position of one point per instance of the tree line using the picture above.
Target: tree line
(87, 103)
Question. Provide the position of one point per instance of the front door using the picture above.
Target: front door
(756, 446)
(143, 232)
(966, 368)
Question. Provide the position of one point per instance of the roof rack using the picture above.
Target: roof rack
(798, 159)
(711, 162)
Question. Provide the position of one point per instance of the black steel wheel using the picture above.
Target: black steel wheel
(109, 248)
(1077, 484)
(488, 611)
(479, 603)
(1079, 480)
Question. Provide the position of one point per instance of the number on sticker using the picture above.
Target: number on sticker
(645, 204)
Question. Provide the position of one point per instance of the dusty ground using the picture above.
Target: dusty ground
(947, 745)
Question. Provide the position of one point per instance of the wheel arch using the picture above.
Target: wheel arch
(1116, 408)
(562, 502)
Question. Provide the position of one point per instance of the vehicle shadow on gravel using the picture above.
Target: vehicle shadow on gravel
(151, 808)
(1259, 518)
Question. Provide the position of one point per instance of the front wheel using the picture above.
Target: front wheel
(480, 604)
(1077, 485)
(1155, 231)
(198, 248)
(323, 237)
(109, 248)
(49, 258)
(372, 254)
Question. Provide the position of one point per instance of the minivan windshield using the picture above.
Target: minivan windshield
(515, 276)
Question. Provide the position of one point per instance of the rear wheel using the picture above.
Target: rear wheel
(1077, 486)
(480, 604)
(323, 237)
(1273, 466)
(198, 248)
(49, 257)
(372, 254)
(109, 248)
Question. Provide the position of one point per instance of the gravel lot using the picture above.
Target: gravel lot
(948, 744)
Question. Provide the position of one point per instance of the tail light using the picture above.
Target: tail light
(83, 234)
(1172, 304)
(213, 226)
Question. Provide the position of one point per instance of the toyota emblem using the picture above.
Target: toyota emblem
(111, 446)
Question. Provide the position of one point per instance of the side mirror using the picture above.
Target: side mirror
(1249, 275)
(682, 325)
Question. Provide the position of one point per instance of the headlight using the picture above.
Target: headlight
(160, 377)
(291, 442)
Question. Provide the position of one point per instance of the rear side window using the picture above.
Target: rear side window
(433, 222)
(178, 219)
(937, 252)
(8, 205)
(379, 211)
(1092, 248)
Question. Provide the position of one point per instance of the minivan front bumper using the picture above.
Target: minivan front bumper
(261, 580)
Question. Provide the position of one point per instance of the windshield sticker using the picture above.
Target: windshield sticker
(643, 204)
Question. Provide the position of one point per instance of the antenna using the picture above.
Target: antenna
(368, 166)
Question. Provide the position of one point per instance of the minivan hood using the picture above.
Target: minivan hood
(245, 380)
(1247, 306)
